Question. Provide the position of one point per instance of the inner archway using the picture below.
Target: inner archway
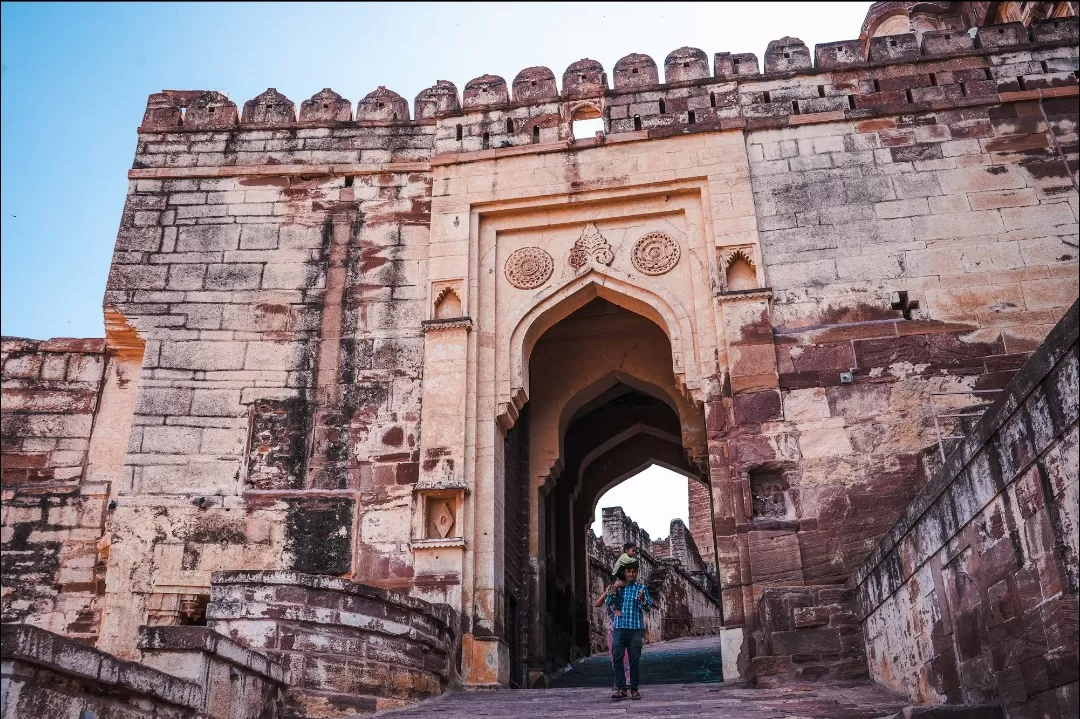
(603, 405)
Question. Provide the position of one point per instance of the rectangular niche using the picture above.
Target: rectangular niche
(770, 495)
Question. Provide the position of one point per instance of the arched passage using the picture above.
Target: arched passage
(603, 404)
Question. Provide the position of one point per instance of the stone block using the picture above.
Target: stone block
(894, 48)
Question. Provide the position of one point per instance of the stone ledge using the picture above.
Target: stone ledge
(440, 613)
(21, 642)
(181, 173)
(208, 641)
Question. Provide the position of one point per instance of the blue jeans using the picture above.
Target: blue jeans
(625, 641)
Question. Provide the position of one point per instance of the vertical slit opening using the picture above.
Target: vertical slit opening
(765, 96)
(459, 133)
(663, 106)
(486, 140)
(963, 89)
(821, 91)
(909, 98)
(933, 79)
(712, 99)
(509, 126)
(690, 117)
(637, 122)
(877, 85)
(851, 102)
(795, 107)
(536, 134)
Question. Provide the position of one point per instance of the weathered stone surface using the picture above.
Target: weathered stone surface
(317, 359)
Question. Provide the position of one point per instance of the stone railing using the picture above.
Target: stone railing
(972, 596)
(351, 648)
(188, 673)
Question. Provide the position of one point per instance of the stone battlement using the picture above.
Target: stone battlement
(870, 80)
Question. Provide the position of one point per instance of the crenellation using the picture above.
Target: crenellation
(686, 63)
(268, 109)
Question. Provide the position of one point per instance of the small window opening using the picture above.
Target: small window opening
(690, 117)
(795, 107)
(509, 126)
(686, 64)
(712, 99)
(348, 180)
(765, 96)
(946, 36)
(892, 43)
(395, 117)
(582, 77)
(851, 102)
(1044, 67)
(933, 79)
(533, 83)
(821, 91)
(211, 110)
(986, 71)
(663, 106)
(637, 122)
(459, 133)
(326, 105)
(486, 141)
(587, 121)
(735, 62)
(909, 98)
(380, 106)
(963, 89)
(634, 71)
(536, 134)
(787, 55)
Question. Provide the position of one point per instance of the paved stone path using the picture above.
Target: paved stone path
(679, 679)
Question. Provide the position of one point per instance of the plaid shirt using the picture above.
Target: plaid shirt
(631, 618)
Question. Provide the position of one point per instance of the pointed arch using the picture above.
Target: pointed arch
(560, 301)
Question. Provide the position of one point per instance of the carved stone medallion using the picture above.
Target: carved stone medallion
(655, 253)
(528, 267)
(591, 245)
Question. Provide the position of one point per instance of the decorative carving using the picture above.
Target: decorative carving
(655, 253)
(738, 269)
(528, 267)
(442, 519)
(591, 245)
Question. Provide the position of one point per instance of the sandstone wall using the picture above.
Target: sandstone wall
(292, 283)
(52, 518)
(972, 596)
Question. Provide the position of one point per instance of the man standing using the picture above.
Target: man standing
(629, 629)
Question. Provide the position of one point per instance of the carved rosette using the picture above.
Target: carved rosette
(591, 246)
(655, 253)
(528, 268)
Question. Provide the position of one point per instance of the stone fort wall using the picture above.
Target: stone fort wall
(901, 203)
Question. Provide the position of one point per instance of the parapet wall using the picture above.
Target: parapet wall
(972, 596)
(851, 79)
(351, 648)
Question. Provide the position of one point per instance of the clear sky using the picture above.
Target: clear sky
(75, 78)
(652, 498)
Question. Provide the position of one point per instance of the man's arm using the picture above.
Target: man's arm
(646, 598)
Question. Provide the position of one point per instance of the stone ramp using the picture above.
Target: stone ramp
(681, 661)
(844, 700)
(679, 678)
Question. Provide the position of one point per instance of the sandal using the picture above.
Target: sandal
(619, 694)
(635, 694)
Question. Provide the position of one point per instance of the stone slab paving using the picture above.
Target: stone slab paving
(683, 676)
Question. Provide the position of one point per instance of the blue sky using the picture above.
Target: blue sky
(75, 77)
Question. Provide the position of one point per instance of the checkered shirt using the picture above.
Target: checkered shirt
(632, 617)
